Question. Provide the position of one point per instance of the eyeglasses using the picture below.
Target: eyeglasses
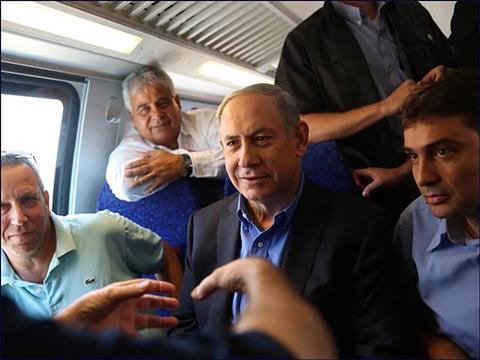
(19, 155)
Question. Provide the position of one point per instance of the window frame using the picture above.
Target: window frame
(18, 79)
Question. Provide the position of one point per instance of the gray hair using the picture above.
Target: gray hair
(140, 78)
(285, 103)
(15, 159)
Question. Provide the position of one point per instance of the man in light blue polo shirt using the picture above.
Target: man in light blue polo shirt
(438, 234)
(49, 261)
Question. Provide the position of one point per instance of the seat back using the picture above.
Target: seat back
(324, 165)
(167, 211)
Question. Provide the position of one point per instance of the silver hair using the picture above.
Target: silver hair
(12, 160)
(140, 78)
(285, 103)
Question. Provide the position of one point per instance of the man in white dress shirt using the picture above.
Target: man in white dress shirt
(166, 143)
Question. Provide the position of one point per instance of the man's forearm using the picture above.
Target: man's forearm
(331, 126)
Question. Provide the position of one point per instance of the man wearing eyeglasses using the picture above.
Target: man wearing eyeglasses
(166, 143)
(48, 261)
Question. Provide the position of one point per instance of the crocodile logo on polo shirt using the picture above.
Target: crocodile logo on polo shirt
(91, 280)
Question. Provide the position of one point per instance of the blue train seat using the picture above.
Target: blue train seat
(325, 166)
(167, 211)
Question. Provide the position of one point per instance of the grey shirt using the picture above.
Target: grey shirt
(381, 54)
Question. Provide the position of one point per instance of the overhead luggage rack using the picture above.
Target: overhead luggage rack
(249, 33)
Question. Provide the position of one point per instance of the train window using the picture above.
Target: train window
(39, 114)
(26, 121)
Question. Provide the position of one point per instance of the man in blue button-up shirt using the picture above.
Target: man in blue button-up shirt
(438, 234)
(335, 248)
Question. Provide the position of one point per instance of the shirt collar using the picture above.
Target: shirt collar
(353, 13)
(187, 119)
(8, 275)
(65, 244)
(63, 234)
(287, 212)
(450, 232)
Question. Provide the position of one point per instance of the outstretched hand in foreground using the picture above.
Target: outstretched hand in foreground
(121, 305)
(274, 307)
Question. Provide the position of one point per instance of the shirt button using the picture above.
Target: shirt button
(38, 290)
(260, 244)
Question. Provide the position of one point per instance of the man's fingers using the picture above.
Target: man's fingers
(160, 286)
(363, 177)
(135, 163)
(145, 178)
(145, 321)
(139, 180)
(137, 171)
(358, 182)
(149, 301)
(356, 175)
(433, 75)
(140, 175)
(137, 287)
(363, 172)
(370, 187)
(206, 287)
(238, 275)
(230, 277)
(155, 185)
(157, 181)
(427, 80)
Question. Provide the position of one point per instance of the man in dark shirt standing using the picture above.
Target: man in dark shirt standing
(350, 67)
(464, 36)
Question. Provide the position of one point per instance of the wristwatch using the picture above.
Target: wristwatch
(187, 164)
